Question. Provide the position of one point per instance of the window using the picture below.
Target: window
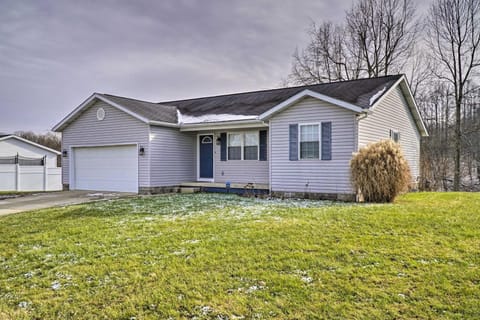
(250, 149)
(235, 146)
(243, 146)
(309, 141)
(395, 136)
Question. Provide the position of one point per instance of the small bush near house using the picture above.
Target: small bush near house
(380, 171)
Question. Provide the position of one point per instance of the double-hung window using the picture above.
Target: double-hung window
(250, 148)
(243, 146)
(235, 146)
(309, 141)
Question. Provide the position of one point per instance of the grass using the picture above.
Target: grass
(208, 256)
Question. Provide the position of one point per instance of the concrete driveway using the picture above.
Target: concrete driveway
(44, 200)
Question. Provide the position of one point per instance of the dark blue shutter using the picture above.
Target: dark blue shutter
(223, 146)
(293, 142)
(263, 145)
(326, 141)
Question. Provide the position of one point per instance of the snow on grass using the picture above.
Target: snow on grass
(176, 206)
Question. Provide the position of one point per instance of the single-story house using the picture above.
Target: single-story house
(27, 166)
(290, 141)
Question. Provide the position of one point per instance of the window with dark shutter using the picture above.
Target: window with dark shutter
(293, 142)
(223, 146)
(326, 141)
(263, 145)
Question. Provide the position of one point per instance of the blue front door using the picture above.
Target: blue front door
(206, 156)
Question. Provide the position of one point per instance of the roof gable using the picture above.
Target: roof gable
(144, 111)
(12, 136)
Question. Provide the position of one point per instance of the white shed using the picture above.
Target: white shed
(28, 166)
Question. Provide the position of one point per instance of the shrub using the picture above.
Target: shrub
(380, 172)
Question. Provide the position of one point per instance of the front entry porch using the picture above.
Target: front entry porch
(237, 188)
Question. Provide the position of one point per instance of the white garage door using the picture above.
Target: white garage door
(112, 168)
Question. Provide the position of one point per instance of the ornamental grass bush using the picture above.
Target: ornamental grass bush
(380, 172)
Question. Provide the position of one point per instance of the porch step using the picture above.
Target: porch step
(189, 190)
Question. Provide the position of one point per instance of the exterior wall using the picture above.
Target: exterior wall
(12, 146)
(172, 156)
(393, 113)
(236, 171)
(312, 176)
(117, 128)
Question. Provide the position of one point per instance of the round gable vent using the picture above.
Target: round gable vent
(100, 114)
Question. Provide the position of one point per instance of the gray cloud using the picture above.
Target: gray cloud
(54, 54)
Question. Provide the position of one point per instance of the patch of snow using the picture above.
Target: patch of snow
(179, 252)
(29, 274)
(193, 241)
(183, 118)
(206, 310)
(56, 285)
(377, 95)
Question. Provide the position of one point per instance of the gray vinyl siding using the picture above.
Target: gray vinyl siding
(172, 156)
(117, 128)
(316, 176)
(393, 113)
(238, 171)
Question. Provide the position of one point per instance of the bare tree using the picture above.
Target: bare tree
(376, 39)
(454, 37)
(326, 58)
(385, 31)
(49, 139)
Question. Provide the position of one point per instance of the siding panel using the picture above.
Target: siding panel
(317, 176)
(117, 128)
(393, 113)
(172, 156)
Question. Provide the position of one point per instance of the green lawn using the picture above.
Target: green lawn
(208, 256)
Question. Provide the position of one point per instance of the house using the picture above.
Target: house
(291, 141)
(27, 166)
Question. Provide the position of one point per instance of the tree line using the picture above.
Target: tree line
(439, 54)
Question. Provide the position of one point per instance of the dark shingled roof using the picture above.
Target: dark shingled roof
(148, 110)
(357, 92)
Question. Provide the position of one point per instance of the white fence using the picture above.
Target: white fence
(14, 177)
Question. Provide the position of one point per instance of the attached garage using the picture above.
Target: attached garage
(105, 168)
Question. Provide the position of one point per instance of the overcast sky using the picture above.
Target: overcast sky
(54, 54)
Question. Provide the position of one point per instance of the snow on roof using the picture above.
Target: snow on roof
(376, 96)
(207, 118)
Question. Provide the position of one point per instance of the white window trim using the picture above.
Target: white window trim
(228, 146)
(319, 124)
(393, 133)
(242, 144)
(257, 133)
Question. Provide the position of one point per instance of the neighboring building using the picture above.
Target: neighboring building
(292, 141)
(28, 166)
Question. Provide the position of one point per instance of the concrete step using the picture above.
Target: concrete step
(189, 190)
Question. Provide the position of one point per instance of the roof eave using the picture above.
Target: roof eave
(410, 100)
(250, 123)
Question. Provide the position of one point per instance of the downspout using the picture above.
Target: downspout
(358, 117)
